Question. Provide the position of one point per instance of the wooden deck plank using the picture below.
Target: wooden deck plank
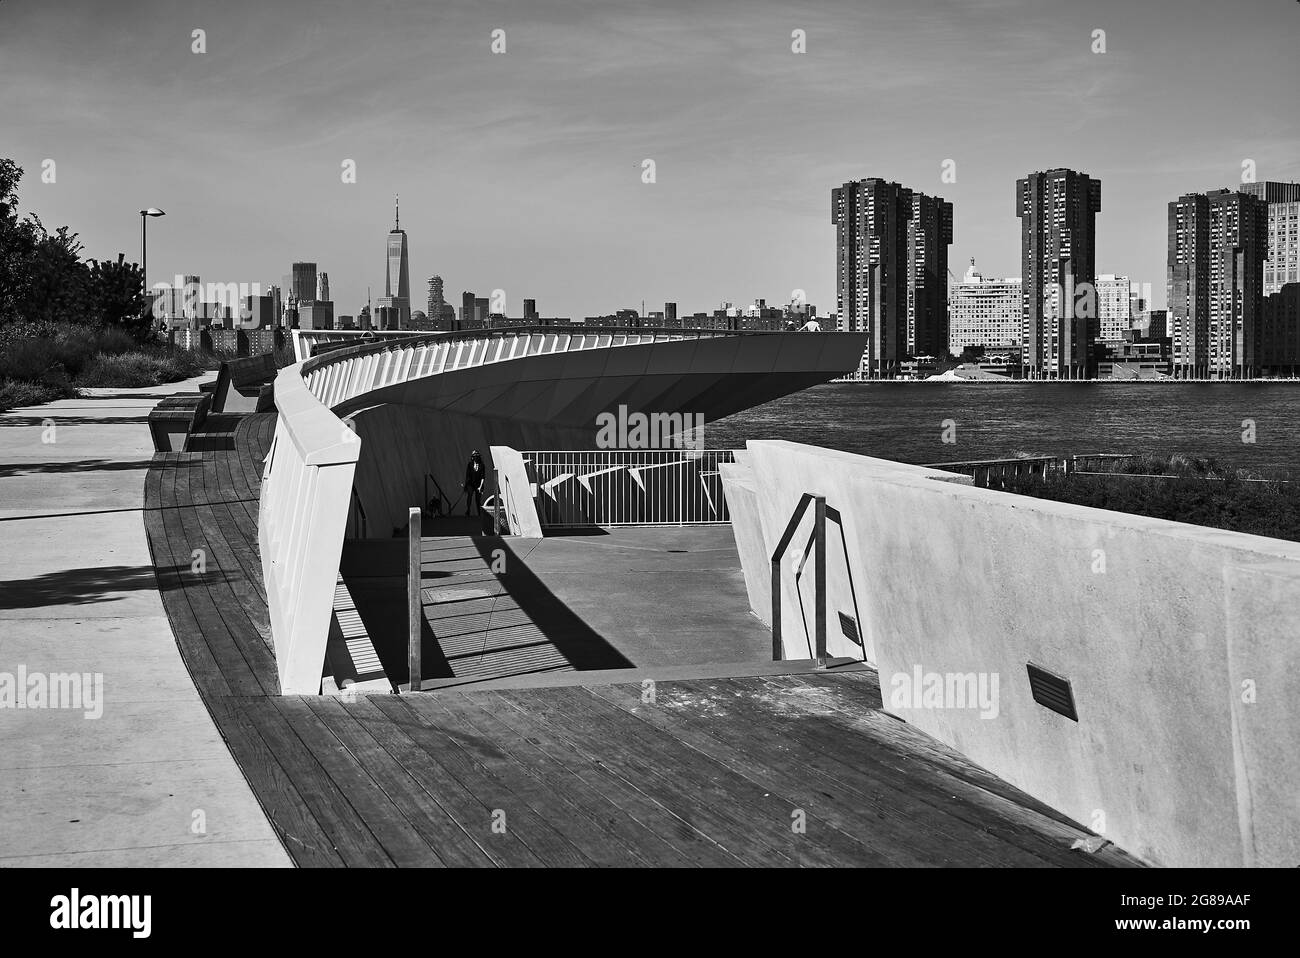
(684, 782)
(393, 732)
(288, 811)
(550, 847)
(185, 536)
(450, 843)
(402, 843)
(820, 842)
(859, 764)
(520, 766)
(1024, 820)
(783, 773)
(603, 796)
(338, 818)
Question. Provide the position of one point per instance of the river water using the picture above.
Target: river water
(906, 421)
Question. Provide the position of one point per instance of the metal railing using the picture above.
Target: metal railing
(819, 576)
(577, 488)
(445, 504)
(993, 473)
(360, 525)
(346, 373)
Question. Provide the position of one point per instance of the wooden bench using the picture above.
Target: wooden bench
(240, 382)
(173, 419)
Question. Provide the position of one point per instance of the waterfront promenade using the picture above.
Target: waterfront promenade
(150, 782)
(729, 763)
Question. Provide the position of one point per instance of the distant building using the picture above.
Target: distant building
(1218, 242)
(929, 234)
(1283, 263)
(258, 312)
(983, 311)
(316, 315)
(1119, 303)
(670, 314)
(397, 274)
(1280, 332)
(1057, 211)
(530, 310)
(323, 287)
(304, 282)
(436, 300)
(346, 322)
(891, 272)
(387, 317)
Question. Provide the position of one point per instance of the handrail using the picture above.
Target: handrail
(421, 338)
(442, 496)
(363, 523)
(819, 556)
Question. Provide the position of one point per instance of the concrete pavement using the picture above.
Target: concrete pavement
(149, 782)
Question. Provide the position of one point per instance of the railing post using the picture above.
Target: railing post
(819, 532)
(496, 501)
(777, 651)
(414, 612)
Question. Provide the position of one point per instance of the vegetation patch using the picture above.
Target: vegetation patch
(1180, 488)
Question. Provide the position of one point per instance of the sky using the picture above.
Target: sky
(523, 170)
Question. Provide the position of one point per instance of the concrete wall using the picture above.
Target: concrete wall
(1179, 643)
(516, 490)
(400, 444)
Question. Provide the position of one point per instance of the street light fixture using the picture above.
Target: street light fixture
(144, 256)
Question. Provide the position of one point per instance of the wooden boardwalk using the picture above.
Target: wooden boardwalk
(786, 770)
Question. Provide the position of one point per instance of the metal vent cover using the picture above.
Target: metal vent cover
(1052, 692)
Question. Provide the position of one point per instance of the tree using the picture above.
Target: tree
(115, 292)
(42, 276)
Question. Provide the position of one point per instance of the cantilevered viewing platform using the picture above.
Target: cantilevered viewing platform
(584, 767)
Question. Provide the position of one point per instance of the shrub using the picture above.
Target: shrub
(1198, 491)
(14, 393)
(33, 360)
(134, 369)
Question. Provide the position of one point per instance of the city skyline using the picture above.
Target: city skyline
(543, 195)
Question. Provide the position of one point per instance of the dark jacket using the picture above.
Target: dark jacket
(474, 478)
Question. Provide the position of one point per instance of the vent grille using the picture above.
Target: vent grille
(1052, 692)
(849, 628)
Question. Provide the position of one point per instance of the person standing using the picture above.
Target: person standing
(475, 476)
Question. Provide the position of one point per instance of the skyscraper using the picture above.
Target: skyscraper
(436, 300)
(871, 238)
(323, 287)
(304, 282)
(1058, 231)
(1283, 264)
(467, 310)
(397, 275)
(1218, 243)
(929, 234)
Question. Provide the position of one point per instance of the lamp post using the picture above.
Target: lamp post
(144, 255)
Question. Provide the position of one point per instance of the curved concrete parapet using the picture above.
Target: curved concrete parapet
(303, 510)
(1177, 643)
(378, 420)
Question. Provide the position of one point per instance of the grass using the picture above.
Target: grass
(41, 362)
(1180, 488)
(19, 392)
(129, 370)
